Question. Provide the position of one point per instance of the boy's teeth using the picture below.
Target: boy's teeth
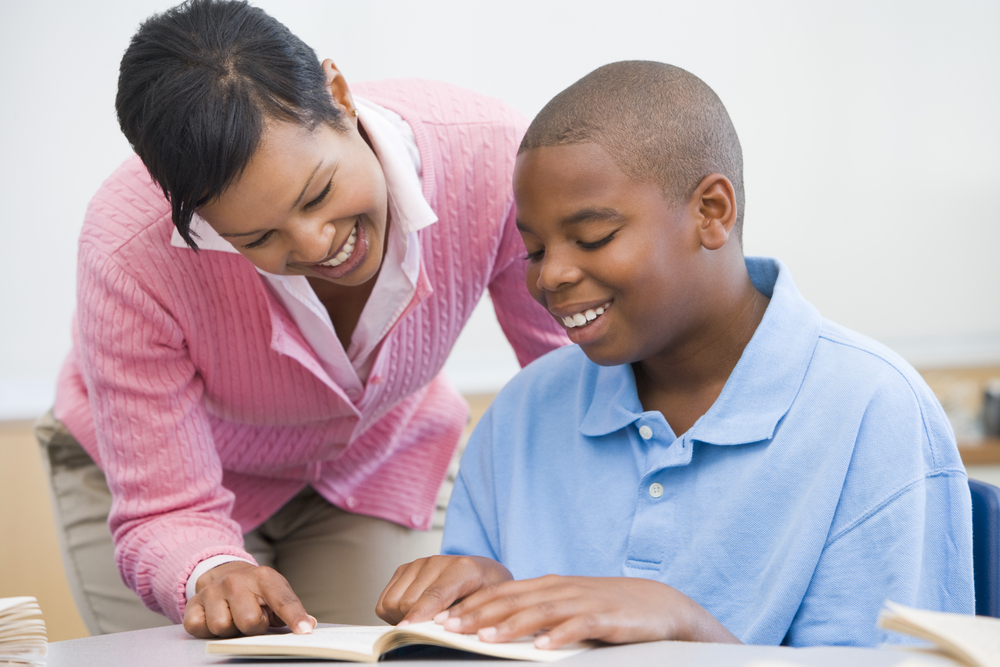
(345, 252)
(586, 316)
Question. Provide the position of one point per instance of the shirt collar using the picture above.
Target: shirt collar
(761, 388)
(391, 137)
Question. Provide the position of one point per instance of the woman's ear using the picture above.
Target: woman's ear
(715, 206)
(340, 91)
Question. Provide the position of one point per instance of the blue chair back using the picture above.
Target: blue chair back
(986, 547)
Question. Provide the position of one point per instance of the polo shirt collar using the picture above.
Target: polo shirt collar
(762, 386)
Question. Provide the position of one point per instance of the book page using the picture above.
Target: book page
(974, 640)
(345, 643)
(521, 649)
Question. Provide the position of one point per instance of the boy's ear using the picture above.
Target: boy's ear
(339, 90)
(714, 201)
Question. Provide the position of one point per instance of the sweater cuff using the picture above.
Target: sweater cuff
(171, 578)
(206, 565)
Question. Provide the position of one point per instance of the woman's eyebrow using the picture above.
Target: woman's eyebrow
(308, 181)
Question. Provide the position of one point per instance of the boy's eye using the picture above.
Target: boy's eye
(535, 256)
(321, 197)
(258, 242)
(597, 244)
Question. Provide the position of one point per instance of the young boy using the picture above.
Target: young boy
(713, 461)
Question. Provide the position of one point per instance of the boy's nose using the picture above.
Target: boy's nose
(556, 272)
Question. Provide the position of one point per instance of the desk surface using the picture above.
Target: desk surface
(171, 646)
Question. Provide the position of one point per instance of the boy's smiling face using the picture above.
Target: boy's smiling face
(609, 251)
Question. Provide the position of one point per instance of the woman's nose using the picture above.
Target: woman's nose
(313, 240)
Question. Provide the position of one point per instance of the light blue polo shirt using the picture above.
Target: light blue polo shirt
(823, 481)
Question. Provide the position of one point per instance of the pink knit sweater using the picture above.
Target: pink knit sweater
(193, 389)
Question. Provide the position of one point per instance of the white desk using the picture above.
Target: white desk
(172, 647)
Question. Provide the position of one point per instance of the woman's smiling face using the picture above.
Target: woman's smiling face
(310, 203)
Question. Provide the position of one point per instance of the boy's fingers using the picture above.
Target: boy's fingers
(392, 604)
(437, 594)
(508, 596)
(576, 629)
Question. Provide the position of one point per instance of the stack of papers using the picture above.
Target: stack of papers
(22, 632)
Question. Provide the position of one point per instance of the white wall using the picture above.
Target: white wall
(871, 133)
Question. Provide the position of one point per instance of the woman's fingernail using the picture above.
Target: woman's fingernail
(402, 624)
(442, 617)
(304, 627)
(542, 642)
(453, 624)
(487, 633)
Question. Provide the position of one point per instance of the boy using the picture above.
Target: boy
(722, 462)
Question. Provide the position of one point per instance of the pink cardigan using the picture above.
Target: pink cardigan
(192, 388)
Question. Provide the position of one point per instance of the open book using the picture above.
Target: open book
(971, 640)
(22, 632)
(366, 643)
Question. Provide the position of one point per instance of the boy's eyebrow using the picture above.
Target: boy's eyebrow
(583, 215)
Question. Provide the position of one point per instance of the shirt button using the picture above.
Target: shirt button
(656, 489)
(417, 521)
(352, 502)
(645, 432)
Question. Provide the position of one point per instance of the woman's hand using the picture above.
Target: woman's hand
(238, 597)
(427, 586)
(617, 610)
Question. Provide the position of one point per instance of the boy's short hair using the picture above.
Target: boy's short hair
(660, 123)
(196, 88)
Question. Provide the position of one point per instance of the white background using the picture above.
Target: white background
(871, 136)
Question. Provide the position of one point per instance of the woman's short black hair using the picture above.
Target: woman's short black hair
(196, 88)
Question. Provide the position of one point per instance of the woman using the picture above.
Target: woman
(282, 408)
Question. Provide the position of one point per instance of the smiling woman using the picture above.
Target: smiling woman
(267, 435)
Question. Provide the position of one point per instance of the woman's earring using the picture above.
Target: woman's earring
(354, 112)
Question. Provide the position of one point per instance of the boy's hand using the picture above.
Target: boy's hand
(427, 586)
(238, 597)
(617, 610)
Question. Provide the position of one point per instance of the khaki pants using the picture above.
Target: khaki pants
(336, 562)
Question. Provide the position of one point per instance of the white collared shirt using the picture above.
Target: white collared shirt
(396, 149)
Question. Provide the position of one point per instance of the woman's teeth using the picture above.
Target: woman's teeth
(345, 252)
(587, 316)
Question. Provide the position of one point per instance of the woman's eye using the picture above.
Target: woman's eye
(597, 244)
(321, 197)
(258, 242)
(535, 256)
